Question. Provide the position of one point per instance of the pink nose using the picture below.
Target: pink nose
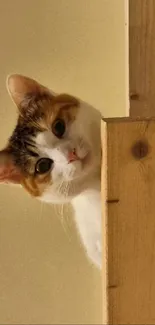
(72, 156)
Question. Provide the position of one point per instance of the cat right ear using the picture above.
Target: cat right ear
(19, 86)
(9, 172)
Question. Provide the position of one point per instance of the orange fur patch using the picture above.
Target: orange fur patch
(36, 185)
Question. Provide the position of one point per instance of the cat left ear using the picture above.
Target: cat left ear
(9, 173)
(19, 86)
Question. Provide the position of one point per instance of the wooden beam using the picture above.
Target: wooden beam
(128, 192)
(142, 57)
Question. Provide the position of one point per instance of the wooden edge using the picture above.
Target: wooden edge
(127, 119)
(104, 221)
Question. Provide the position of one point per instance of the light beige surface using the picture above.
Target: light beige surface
(77, 47)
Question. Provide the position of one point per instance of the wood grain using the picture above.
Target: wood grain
(142, 57)
(130, 225)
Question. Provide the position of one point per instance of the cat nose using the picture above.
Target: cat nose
(72, 156)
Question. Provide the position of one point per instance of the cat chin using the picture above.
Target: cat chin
(50, 196)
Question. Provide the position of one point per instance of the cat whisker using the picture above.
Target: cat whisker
(61, 214)
(63, 221)
(41, 210)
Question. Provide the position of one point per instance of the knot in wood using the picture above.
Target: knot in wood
(134, 96)
(140, 149)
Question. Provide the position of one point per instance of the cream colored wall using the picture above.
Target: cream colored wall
(76, 46)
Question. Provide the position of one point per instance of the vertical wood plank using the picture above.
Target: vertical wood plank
(130, 221)
(142, 57)
(104, 221)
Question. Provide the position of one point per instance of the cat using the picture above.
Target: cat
(54, 152)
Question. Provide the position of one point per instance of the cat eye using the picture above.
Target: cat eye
(58, 128)
(43, 165)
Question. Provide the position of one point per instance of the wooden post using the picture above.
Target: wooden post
(142, 57)
(128, 192)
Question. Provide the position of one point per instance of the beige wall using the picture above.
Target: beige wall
(76, 46)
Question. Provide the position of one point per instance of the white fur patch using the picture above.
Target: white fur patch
(77, 181)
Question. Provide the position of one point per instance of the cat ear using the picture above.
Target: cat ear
(19, 86)
(9, 173)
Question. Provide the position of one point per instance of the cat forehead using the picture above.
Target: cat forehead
(44, 139)
(41, 110)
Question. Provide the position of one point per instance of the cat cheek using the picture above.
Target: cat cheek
(56, 173)
(72, 170)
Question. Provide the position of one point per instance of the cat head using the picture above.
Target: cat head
(55, 147)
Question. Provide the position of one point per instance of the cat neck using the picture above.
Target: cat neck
(92, 190)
